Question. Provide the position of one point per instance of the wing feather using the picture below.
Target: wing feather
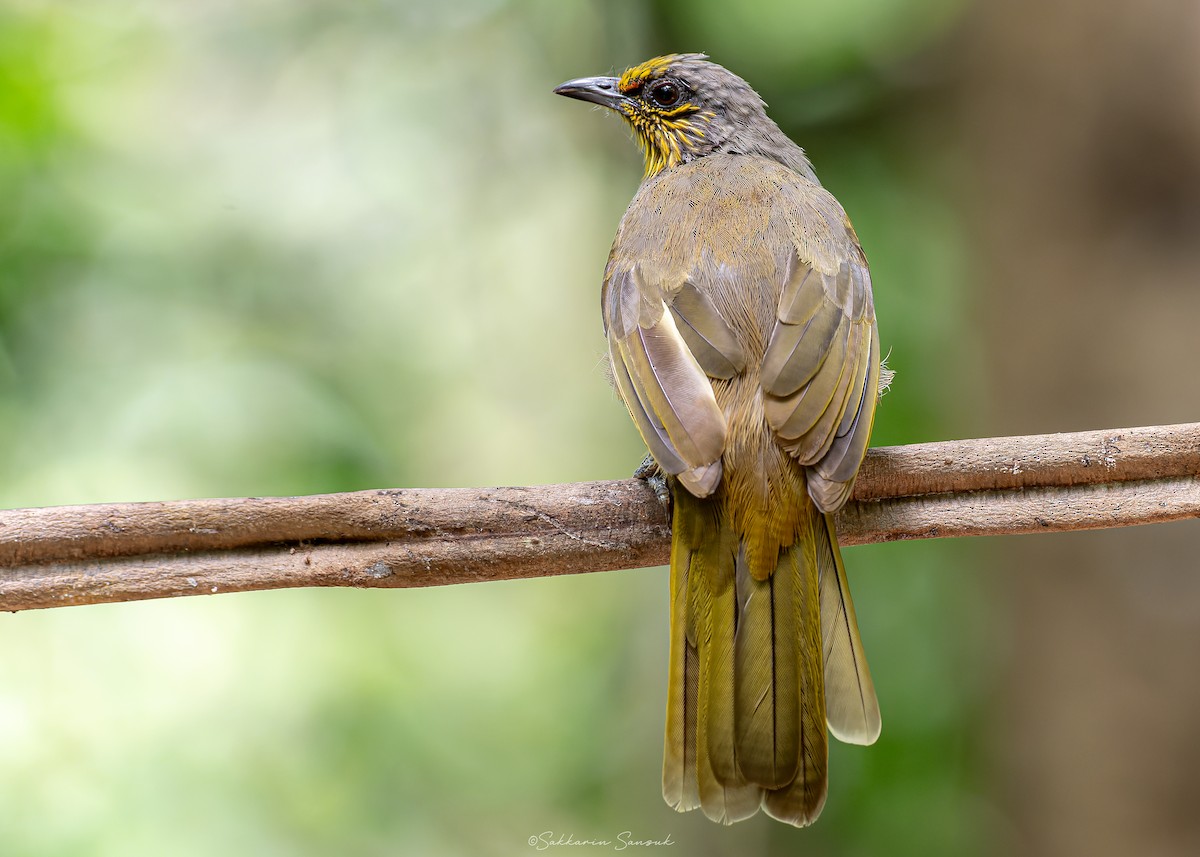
(821, 367)
(816, 441)
(842, 460)
(794, 416)
(797, 304)
(797, 351)
(665, 388)
(707, 333)
(676, 390)
(649, 427)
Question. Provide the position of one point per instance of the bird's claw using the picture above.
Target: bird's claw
(650, 473)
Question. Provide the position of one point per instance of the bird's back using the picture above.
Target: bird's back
(731, 227)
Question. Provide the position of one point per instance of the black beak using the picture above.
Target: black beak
(598, 90)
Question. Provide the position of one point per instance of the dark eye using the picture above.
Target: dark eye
(666, 93)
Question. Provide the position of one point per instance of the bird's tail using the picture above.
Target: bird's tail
(757, 666)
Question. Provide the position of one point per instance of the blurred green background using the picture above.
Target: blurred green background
(281, 248)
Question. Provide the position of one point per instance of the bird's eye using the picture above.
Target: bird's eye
(666, 93)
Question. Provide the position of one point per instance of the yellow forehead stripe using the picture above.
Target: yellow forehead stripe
(639, 74)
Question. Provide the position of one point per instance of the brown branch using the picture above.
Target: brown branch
(426, 537)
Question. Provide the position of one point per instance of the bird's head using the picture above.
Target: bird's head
(682, 107)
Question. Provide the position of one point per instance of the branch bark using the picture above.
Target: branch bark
(68, 555)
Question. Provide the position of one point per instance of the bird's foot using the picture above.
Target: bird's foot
(650, 473)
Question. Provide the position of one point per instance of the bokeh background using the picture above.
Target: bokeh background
(276, 248)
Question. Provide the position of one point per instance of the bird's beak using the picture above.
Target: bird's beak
(598, 90)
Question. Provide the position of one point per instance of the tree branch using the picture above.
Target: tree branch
(67, 555)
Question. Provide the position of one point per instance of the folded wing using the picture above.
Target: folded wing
(664, 345)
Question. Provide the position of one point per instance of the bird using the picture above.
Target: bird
(742, 338)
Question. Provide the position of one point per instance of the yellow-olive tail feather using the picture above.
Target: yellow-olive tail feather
(753, 665)
(851, 707)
